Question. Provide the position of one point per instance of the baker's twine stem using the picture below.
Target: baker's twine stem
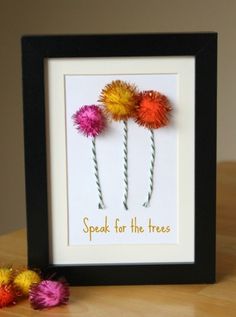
(100, 203)
(125, 152)
(151, 171)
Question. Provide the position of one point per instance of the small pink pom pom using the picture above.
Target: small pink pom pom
(49, 294)
(89, 120)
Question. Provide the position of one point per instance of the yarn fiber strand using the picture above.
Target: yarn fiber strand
(152, 164)
(125, 152)
(100, 197)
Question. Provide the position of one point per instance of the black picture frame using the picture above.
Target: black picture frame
(203, 46)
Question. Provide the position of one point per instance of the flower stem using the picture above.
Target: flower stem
(125, 172)
(100, 197)
(153, 154)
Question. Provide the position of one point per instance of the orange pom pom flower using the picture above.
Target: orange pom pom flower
(153, 110)
(152, 113)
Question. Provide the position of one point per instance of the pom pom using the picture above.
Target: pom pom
(7, 295)
(24, 280)
(49, 294)
(5, 275)
(89, 120)
(119, 99)
(153, 110)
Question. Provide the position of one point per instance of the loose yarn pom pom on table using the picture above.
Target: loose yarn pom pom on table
(49, 294)
(7, 295)
(119, 99)
(5, 275)
(89, 120)
(25, 279)
(153, 110)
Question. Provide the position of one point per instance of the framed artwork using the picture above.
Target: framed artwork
(120, 157)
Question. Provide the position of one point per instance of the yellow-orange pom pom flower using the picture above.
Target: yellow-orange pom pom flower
(153, 110)
(24, 280)
(5, 275)
(120, 99)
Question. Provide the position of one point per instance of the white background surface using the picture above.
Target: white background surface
(82, 190)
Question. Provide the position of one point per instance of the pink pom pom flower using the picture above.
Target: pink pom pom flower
(49, 294)
(89, 120)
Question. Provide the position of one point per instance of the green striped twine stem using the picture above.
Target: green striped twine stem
(100, 197)
(125, 172)
(151, 171)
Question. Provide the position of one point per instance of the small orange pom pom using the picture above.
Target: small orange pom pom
(153, 110)
(7, 295)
